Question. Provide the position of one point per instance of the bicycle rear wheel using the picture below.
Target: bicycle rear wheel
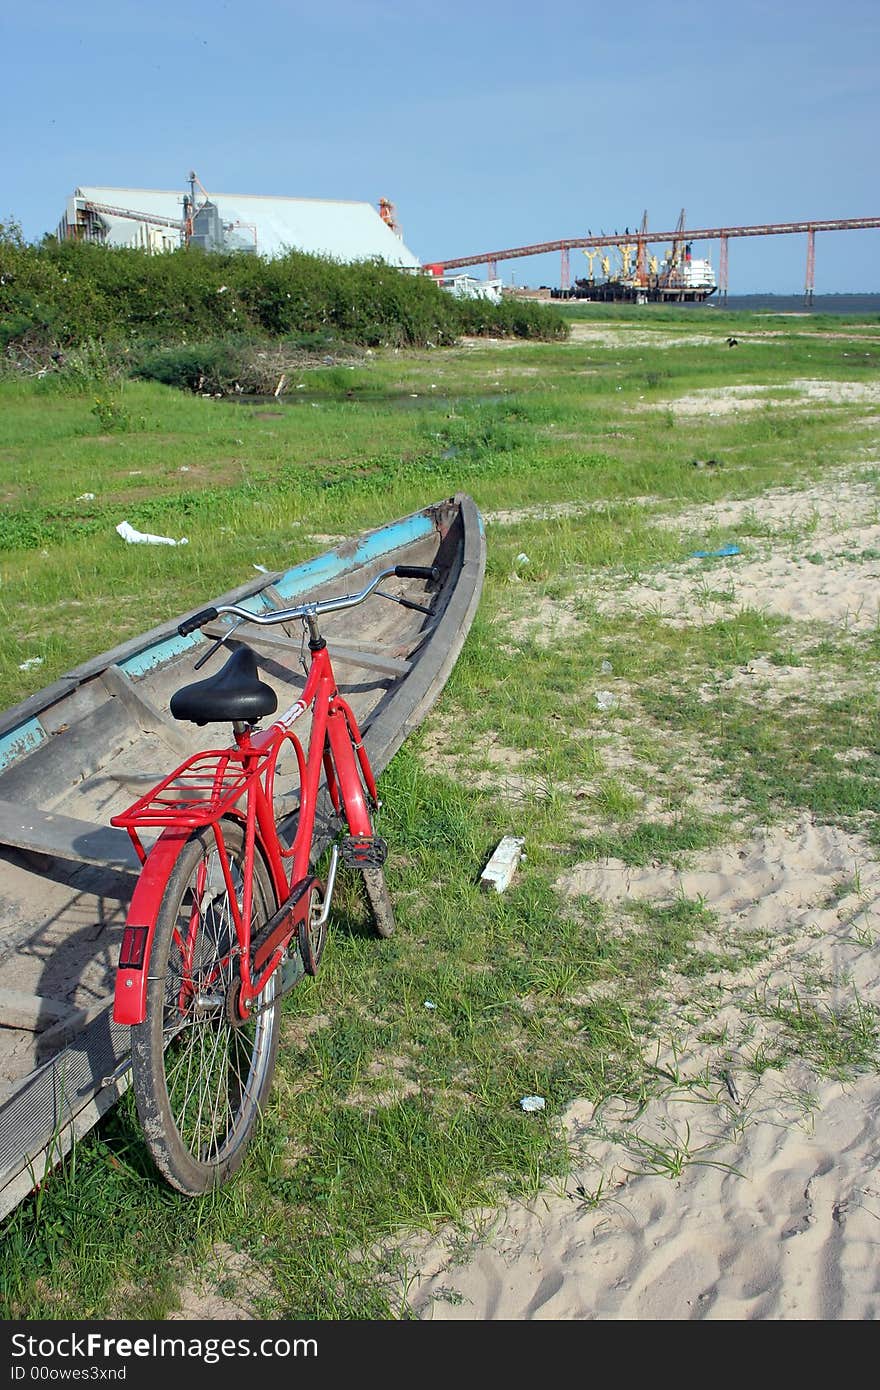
(200, 1074)
(381, 910)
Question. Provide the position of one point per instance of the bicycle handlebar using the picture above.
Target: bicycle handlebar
(306, 610)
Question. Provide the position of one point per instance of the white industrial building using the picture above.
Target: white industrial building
(154, 220)
(465, 286)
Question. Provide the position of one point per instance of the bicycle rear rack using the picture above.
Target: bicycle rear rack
(198, 792)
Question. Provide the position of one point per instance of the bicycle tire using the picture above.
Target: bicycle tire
(200, 1079)
(378, 898)
(379, 902)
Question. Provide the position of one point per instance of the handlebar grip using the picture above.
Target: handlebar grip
(417, 572)
(196, 621)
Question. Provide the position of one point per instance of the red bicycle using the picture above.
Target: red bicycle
(226, 917)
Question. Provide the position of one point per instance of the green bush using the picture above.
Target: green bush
(189, 318)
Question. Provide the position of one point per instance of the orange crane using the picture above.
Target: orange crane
(388, 214)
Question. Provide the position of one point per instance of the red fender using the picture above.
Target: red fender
(356, 810)
(130, 1003)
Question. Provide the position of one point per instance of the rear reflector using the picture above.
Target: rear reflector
(134, 944)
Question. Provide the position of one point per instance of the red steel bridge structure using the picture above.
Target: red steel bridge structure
(642, 237)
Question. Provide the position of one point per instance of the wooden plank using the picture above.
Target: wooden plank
(252, 632)
(149, 717)
(64, 837)
(70, 755)
(371, 661)
(31, 1012)
(265, 637)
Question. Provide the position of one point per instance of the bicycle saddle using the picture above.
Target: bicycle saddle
(234, 692)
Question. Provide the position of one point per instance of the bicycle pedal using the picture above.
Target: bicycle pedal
(363, 851)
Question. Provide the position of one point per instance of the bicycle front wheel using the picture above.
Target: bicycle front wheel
(200, 1074)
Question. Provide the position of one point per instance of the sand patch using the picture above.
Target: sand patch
(781, 1223)
(550, 511)
(829, 574)
(227, 1288)
(736, 1191)
(731, 400)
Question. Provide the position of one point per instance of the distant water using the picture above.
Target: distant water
(794, 303)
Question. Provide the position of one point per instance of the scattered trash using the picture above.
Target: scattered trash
(301, 386)
(451, 453)
(532, 1103)
(86, 497)
(706, 463)
(606, 668)
(716, 554)
(606, 699)
(501, 867)
(30, 663)
(734, 342)
(731, 1088)
(184, 468)
(429, 1004)
(521, 559)
(262, 569)
(133, 537)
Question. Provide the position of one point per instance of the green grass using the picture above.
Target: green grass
(387, 1116)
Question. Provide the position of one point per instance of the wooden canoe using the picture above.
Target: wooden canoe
(79, 751)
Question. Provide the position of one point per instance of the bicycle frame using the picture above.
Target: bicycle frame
(208, 789)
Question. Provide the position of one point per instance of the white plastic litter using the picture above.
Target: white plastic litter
(606, 699)
(522, 558)
(501, 867)
(30, 663)
(261, 568)
(429, 1004)
(532, 1103)
(133, 537)
(606, 668)
(86, 497)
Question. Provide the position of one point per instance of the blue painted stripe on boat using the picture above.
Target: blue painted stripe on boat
(324, 567)
(21, 740)
(144, 661)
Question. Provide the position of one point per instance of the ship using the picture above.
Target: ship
(680, 278)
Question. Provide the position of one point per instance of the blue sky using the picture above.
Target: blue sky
(488, 124)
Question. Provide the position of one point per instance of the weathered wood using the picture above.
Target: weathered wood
(371, 661)
(31, 1012)
(407, 704)
(148, 716)
(339, 651)
(63, 837)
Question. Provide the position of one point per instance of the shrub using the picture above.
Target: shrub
(189, 317)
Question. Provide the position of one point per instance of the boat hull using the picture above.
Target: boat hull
(79, 751)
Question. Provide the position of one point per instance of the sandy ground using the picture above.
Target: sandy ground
(738, 1191)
